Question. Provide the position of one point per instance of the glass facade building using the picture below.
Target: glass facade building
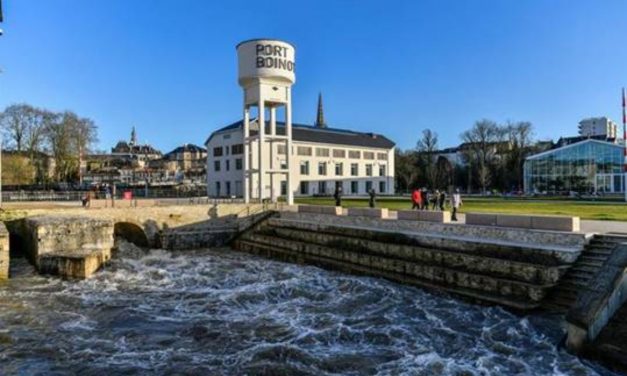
(586, 166)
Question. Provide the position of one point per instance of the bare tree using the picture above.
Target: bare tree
(427, 147)
(22, 127)
(406, 169)
(520, 139)
(481, 140)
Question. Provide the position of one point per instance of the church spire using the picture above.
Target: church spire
(320, 116)
(133, 137)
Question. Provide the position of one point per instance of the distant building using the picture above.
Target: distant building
(589, 165)
(141, 153)
(187, 162)
(598, 126)
(590, 162)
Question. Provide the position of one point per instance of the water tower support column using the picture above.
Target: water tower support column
(288, 147)
(246, 182)
(261, 144)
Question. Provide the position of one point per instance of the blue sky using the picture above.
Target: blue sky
(391, 67)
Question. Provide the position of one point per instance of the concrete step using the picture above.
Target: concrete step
(582, 268)
(591, 263)
(604, 245)
(593, 258)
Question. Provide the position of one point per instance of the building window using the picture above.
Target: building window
(322, 168)
(304, 187)
(237, 149)
(322, 152)
(354, 187)
(368, 186)
(228, 188)
(283, 164)
(304, 167)
(238, 164)
(303, 150)
(368, 155)
(382, 156)
(381, 187)
(281, 149)
(218, 188)
(339, 169)
(216, 165)
(228, 165)
(382, 170)
(226, 136)
(238, 188)
(217, 151)
(354, 154)
(368, 170)
(322, 187)
(227, 150)
(354, 169)
(339, 153)
(283, 188)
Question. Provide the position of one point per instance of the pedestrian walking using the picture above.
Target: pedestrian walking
(338, 196)
(434, 200)
(456, 202)
(442, 199)
(373, 195)
(425, 199)
(416, 199)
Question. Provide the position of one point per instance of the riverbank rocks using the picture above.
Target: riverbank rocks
(4, 252)
(68, 246)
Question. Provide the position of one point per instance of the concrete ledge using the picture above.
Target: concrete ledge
(536, 222)
(570, 224)
(481, 219)
(428, 216)
(320, 209)
(519, 221)
(103, 203)
(368, 212)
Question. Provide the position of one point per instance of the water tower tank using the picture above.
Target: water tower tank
(268, 59)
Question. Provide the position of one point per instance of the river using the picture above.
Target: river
(214, 312)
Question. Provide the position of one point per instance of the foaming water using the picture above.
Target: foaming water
(223, 312)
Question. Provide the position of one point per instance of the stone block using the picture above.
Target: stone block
(428, 216)
(68, 244)
(368, 212)
(4, 252)
(518, 221)
(570, 224)
(320, 209)
(481, 219)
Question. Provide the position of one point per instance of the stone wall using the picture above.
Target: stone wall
(505, 266)
(4, 252)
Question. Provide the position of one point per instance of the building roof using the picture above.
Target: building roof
(188, 148)
(568, 146)
(126, 148)
(310, 133)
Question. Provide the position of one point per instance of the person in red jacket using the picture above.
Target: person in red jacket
(416, 198)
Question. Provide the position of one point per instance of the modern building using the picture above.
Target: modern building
(262, 157)
(590, 165)
(598, 126)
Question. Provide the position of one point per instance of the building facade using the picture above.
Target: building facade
(586, 166)
(598, 126)
(322, 159)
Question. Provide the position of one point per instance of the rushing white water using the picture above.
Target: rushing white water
(222, 312)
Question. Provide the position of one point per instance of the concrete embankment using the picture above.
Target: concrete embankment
(508, 266)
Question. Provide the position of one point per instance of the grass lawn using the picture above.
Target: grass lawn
(585, 209)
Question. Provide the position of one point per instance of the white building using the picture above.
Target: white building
(279, 158)
(598, 126)
(322, 158)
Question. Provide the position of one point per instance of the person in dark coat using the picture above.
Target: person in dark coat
(425, 199)
(373, 195)
(338, 196)
(442, 199)
(434, 199)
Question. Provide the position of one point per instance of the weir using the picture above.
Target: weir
(508, 260)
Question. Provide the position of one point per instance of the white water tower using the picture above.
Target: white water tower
(266, 73)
